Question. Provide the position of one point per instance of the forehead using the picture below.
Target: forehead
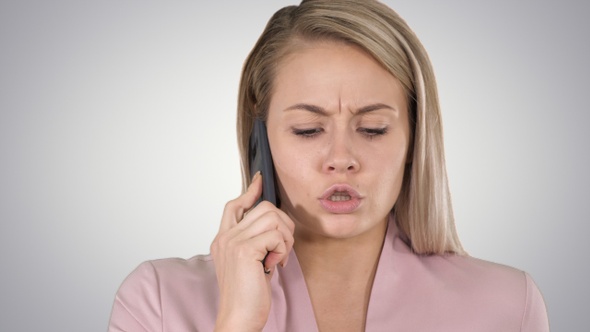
(326, 72)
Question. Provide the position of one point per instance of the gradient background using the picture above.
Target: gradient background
(118, 145)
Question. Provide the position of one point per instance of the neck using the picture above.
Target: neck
(344, 259)
(339, 275)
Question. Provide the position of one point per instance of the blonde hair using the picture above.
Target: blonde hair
(423, 211)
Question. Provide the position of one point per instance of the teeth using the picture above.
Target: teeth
(338, 197)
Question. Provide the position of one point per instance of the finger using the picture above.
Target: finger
(272, 246)
(269, 221)
(234, 210)
(264, 207)
(290, 226)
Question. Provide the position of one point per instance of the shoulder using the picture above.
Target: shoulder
(510, 294)
(162, 291)
(169, 275)
(195, 270)
(476, 274)
(458, 291)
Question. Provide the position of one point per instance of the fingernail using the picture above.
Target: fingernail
(256, 176)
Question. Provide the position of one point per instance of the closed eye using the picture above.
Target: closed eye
(372, 132)
(307, 133)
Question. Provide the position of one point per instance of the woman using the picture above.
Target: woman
(363, 237)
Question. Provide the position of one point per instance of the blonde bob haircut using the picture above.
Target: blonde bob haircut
(423, 211)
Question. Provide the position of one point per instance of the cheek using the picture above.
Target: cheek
(389, 166)
(293, 170)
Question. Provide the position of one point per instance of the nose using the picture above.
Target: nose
(340, 157)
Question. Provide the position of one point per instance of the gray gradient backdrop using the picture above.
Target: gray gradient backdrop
(117, 141)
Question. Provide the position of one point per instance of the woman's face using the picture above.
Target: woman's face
(338, 132)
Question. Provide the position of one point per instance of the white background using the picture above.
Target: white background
(118, 145)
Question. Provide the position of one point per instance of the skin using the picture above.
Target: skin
(335, 117)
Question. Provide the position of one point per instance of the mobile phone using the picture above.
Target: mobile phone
(260, 159)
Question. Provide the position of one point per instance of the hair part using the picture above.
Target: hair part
(423, 211)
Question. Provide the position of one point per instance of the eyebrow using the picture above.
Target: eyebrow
(321, 111)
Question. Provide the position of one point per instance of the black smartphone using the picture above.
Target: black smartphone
(260, 159)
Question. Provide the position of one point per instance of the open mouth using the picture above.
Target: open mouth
(340, 196)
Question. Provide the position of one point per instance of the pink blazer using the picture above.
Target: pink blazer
(410, 293)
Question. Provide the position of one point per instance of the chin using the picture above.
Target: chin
(310, 222)
(335, 226)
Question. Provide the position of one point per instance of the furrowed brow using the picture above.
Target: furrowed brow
(374, 107)
(308, 107)
(320, 111)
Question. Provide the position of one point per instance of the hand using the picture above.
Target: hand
(265, 233)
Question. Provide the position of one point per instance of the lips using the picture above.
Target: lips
(340, 199)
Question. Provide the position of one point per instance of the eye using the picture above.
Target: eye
(307, 133)
(373, 132)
